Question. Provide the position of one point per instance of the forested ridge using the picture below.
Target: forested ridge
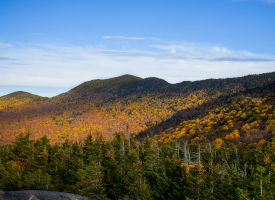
(122, 104)
(134, 138)
(127, 169)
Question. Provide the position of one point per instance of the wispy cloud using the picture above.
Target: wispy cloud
(211, 53)
(5, 45)
(67, 66)
(6, 58)
(122, 37)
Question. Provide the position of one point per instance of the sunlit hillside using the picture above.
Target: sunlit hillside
(132, 105)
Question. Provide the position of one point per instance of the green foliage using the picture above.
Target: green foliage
(242, 194)
(90, 180)
(11, 175)
(128, 169)
(214, 139)
(37, 180)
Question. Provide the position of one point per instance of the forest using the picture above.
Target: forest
(134, 105)
(137, 99)
(129, 169)
(133, 138)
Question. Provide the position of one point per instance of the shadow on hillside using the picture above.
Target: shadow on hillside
(191, 113)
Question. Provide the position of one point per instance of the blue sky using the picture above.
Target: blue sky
(48, 47)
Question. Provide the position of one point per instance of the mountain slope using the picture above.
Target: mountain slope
(115, 88)
(125, 104)
(98, 85)
(22, 95)
(246, 116)
(18, 98)
(228, 85)
(127, 84)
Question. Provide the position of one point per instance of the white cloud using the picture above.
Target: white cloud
(211, 52)
(122, 37)
(67, 66)
(5, 45)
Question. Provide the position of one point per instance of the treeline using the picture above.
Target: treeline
(128, 169)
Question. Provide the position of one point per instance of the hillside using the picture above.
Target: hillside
(18, 98)
(133, 138)
(116, 88)
(131, 105)
(99, 85)
(242, 117)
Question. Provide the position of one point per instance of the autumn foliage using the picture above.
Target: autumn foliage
(133, 105)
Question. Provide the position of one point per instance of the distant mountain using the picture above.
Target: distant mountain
(96, 86)
(22, 95)
(18, 98)
(134, 105)
(117, 87)
(228, 85)
(126, 85)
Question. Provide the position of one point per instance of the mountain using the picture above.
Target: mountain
(18, 98)
(127, 85)
(246, 116)
(208, 139)
(149, 106)
(21, 95)
(97, 86)
(115, 88)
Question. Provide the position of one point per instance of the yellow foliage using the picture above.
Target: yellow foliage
(246, 127)
(219, 142)
(224, 127)
(254, 124)
(271, 126)
(233, 136)
(188, 167)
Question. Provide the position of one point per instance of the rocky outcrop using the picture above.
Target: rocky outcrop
(39, 195)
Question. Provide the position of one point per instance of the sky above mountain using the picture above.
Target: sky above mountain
(48, 47)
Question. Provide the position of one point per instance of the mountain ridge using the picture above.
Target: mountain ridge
(127, 79)
(21, 95)
(18, 98)
(128, 104)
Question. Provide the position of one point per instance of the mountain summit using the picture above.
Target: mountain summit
(17, 99)
(100, 85)
(22, 95)
(141, 107)
(117, 87)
